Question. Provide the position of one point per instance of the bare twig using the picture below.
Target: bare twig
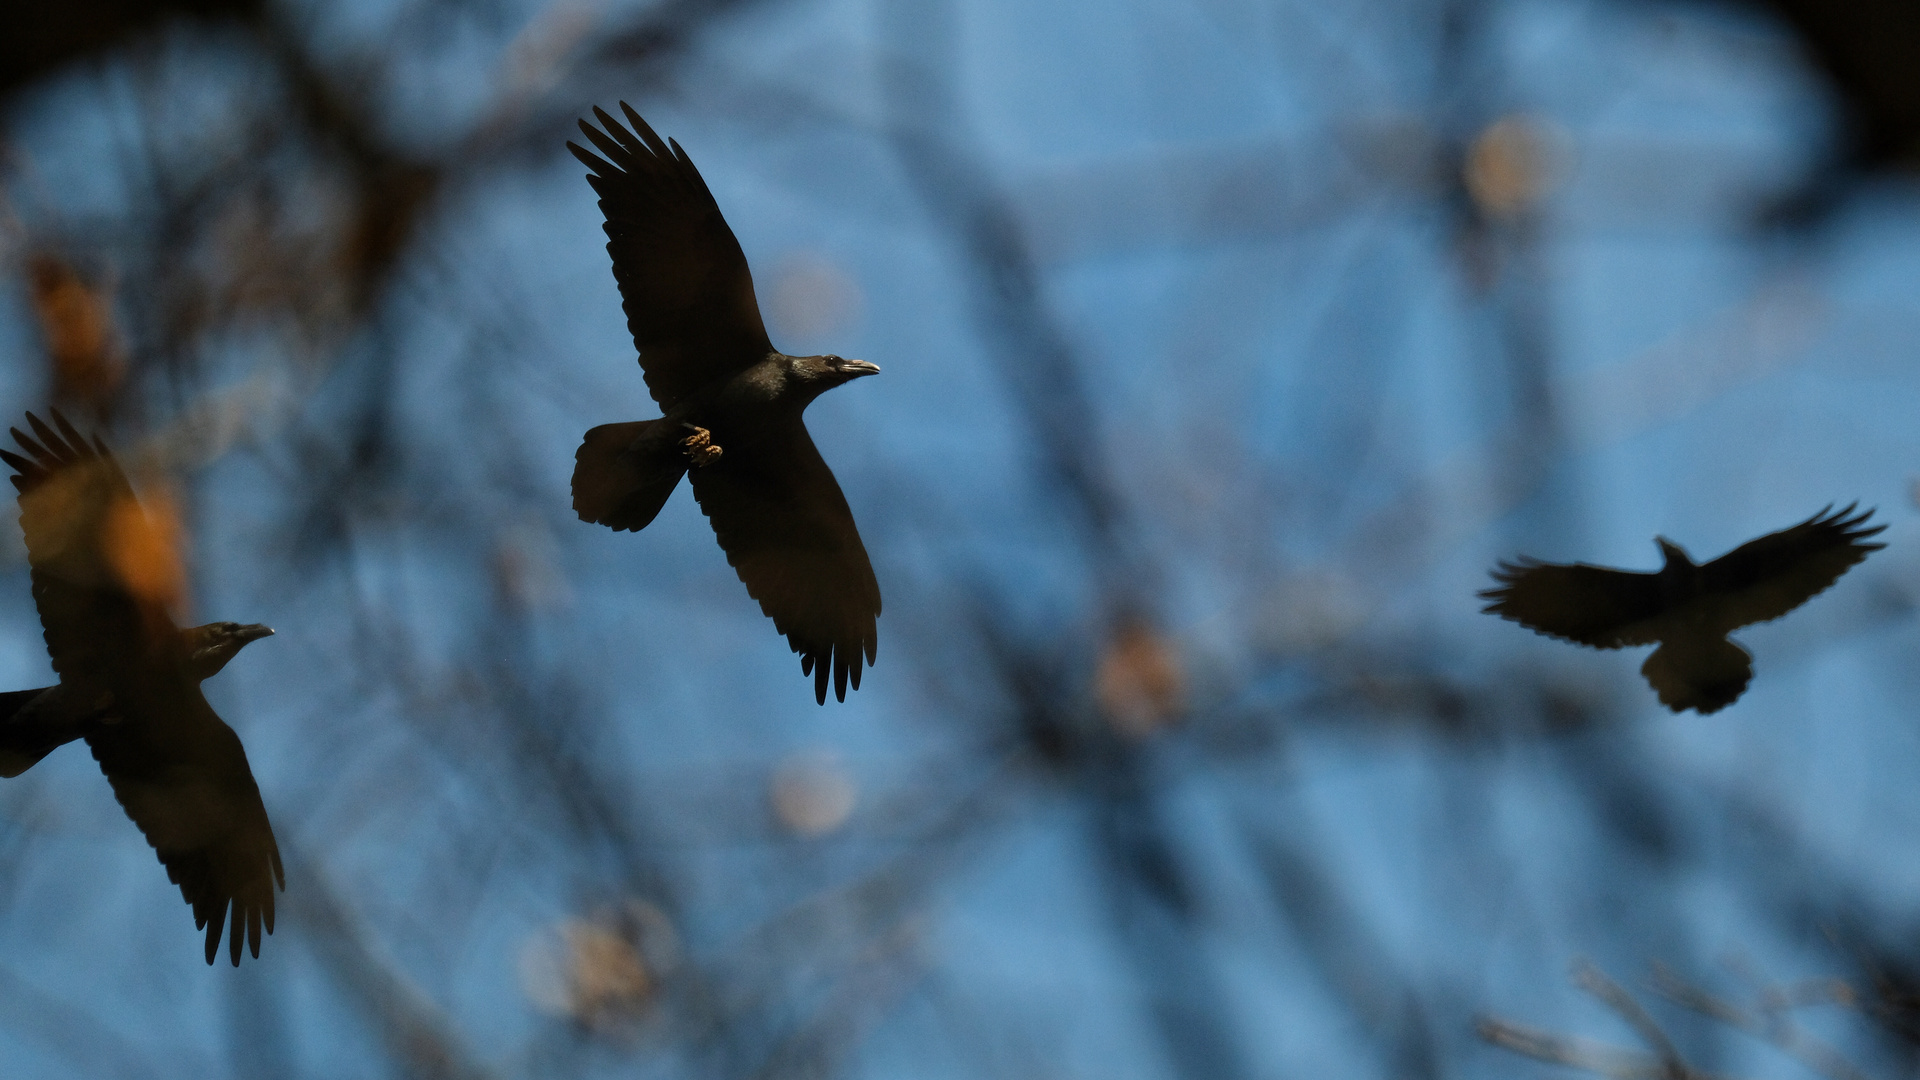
(1615, 997)
(1603, 1059)
(1770, 1023)
(1664, 1063)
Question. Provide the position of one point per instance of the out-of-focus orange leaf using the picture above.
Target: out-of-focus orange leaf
(812, 793)
(602, 972)
(1512, 165)
(1140, 683)
(65, 503)
(76, 321)
(143, 545)
(607, 973)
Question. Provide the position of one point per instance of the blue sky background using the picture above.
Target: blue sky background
(1244, 226)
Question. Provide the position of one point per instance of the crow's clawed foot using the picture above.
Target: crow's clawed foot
(700, 447)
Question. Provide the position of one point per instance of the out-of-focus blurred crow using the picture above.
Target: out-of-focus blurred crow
(130, 682)
(732, 403)
(1687, 609)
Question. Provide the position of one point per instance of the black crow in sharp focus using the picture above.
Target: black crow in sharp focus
(130, 683)
(1687, 610)
(732, 405)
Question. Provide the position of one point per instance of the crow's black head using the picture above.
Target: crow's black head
(209, 647)
(819, 374)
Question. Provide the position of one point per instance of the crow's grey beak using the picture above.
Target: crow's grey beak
(254, 632)
(853, 369)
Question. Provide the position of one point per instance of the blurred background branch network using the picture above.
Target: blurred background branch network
(1227, 343)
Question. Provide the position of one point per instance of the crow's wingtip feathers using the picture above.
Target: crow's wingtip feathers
(1508, 571)
(593, 161)
(841, 664)
(640, 126)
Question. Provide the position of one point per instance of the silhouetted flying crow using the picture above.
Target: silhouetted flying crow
(732, 403)
(1687, 609)
(130, 684)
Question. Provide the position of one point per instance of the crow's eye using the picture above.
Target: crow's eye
(832, 359)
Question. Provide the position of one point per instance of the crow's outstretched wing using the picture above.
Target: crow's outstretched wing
(84, 529)
(1590, 605)
(179, 772)
(1766, 578)
(683, 281)
(183, 779)
(786, 529)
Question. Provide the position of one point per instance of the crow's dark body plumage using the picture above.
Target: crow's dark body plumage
(732, 408)
(130, 686)
(1686, 609)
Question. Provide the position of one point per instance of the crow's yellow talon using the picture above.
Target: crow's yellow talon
(700, 447)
